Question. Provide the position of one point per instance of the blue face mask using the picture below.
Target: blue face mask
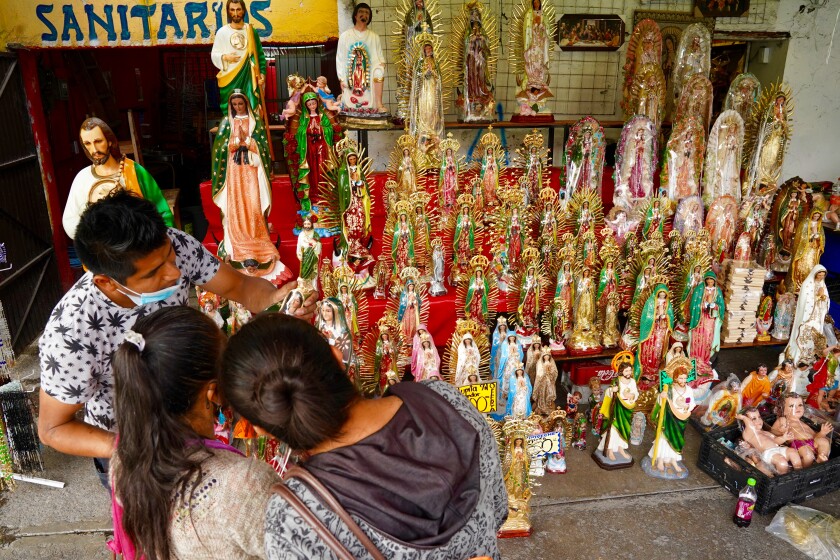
(147, 297)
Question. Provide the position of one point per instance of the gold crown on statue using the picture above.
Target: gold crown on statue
(410, 273)
(437, 242)
(347, 145)
(613, 298)
(609, 252)
(390, 185)
(489, 140)
(547, 195)
(426, 38)
(534, 139)
(406, 141)
(420, 198)
(518, 428)
(387, 323)
(479, 261)
(531, 254)
(466, 200)
(449, 143)
(464, 326)
(402, 207)
(514, 197)
(344, 274)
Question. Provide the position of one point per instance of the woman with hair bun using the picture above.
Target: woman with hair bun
(179, 493)
(370, 455)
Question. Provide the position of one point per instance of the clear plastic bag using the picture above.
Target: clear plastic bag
(812, 532)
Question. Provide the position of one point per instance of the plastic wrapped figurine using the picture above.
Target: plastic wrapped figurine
(808, 247)
(360, 66)
(689, 215)
(670, 415)
(644, 47)
(812, 445)
(636, 160)
(519, 394)
(696, 101)
(807, 338)
(426, 102)
(648, 93)
(684, 159)
(723, 158)
(545, 392)
(617, 411)
(707, 312)
(723, 404)
(721, 221)
(425, 360)
(476, 40)
(438, 283)
(783, 316)
(637, 430)
(414, 18)
(620, 223)
(585, 156)
(449, 174)
(772, 447)
(693, 55)
(742, 95)
(768, 134)
(531, 42)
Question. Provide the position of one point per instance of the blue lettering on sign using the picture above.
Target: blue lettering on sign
(144, 12)
(196, 13)
(40, 11)
(256, 7)
(70, 22)
(125, 32)
(217, 10)
(106, 24)
(168, 19)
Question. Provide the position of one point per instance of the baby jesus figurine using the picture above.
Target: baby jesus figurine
(326, 95)
(771, 447)
(810, 444)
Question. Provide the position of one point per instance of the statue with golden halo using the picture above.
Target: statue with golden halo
(769, 130)
(647, 93)
(696, 261)
(399, 227)
(586, 211)
(531, 43)
(449, 165)
(348, 290)
(468, 348)
(533, 158)
(489, 162)
(644, 47)
(532, 284)
(516, 468)
(550, 221)
(439, 259)
(466, 237)
(414, 17)
(411, 307)
(429, 80)
(617, 409)
(477, 298)
(422, 233)
(475, 38)
(380, 355)
(585, 151)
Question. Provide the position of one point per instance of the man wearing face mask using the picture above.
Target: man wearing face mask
(110, 170)
(136, 265)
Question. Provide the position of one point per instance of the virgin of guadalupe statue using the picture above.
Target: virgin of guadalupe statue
(515, 238)
(425, 106)
(742, 95)
(477, 42)
(385, 359)
(808, 247)
(608, 278)
(531, 42)
(767, 138)
(644, 47)
(584, 334)
(707, 311)
(565, 286)
(489, 167)
(635, 161)
(723, 158)
(448, 173)
(648, 93)
(689, 215)
(402, 244)
(807, 337)
(655, 328)
(464, 238)
(330, 321)
(696, 100)
(406, 173)
(720, 222)
(438, 283)
(694, 55)
(468, 360)
(478, 292)
(529, 298)
(241, 189)
(415, 18)
(309, 137)
(585, 156)
(532, 157)
(684, 159)
(409, 310)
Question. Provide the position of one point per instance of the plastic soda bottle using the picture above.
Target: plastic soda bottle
(746, 504)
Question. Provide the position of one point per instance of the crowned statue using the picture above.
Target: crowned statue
(449, 170)
(476, 40)
(425, 105)
(490, 164)
(585, 156)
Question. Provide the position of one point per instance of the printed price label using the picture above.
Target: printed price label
(541, 445)
(481, 395)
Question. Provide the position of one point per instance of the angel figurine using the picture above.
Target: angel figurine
(636, 159)
(531, 42)
(684, 159)
(617, 410)
(448, 173)
(425, 360)
(742, 95)
(476, 40)
(437, 287)
(768, 138)
(722, 175)
(490, 164)
(585, 156)
(644, 47)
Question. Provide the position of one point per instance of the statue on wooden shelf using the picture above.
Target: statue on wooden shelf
(743, 93)
(807, 338)
(531, 42)
(414, 18)
(426, 103)
(644, 47)
(808, 247)
(723, 158)
(783, 316)
(694, 55)
(360, 66)
(585, 156)
(242, 190)
(476, 40)
(768, 133)
(636, 160)
(684, 159)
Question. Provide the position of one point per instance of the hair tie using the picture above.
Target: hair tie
(135, 338)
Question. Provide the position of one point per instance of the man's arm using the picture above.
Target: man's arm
(256, 294)
(59, 428)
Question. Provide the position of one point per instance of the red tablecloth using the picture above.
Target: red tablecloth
(283, 218)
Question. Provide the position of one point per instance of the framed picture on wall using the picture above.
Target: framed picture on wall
(722, 8)
(590, 32)
(678, 20)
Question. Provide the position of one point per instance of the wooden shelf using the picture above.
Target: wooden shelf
(498, 124)
(610, 352)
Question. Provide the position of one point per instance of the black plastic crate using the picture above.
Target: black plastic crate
(731, 471)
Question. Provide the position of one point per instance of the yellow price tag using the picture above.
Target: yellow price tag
(541, 445)
(481, 395)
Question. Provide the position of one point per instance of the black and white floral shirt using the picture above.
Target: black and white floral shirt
(86, 327)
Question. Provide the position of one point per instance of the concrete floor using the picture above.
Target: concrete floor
(586, 513)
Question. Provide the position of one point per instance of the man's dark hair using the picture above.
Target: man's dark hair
(358, 7)
(241, 3)
(116, 231)
(92, 123)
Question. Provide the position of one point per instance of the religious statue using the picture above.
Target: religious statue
(783, 316)
(707, 312)
(308, 252)
(611, 336)
(238, 54)
(807, 338)
(768, 137)
(771, 447)
(422, 233)
(644, 47)
(689, 277)
(548, 211)
(721, 221)
(519, 394)
(811, 445)
(532, 157)
(531, 42)
(648, 93)
(310, 134)
(684, 159)
(448, 173)
(608, 278)
(406, 166)
(414, 18)
(585, 339)
(425, 360)
(586, 212)
(210, 304)
(617, 410)
(464, 238)
(635, 161)
(509, 357)
(764, 318)
(477, 298)
(438, 282)
(490, 164)
(467, 352)
(516, 467)
(545, 392)
(585, 156)
(693, 55)
(723, 158)
(346, 199)
(360, 66)
(529, 296)
(241, 188)
(347, 289)
(742, 95)
(808, 247)
(792, 202)
(411, 306)
(558, 326)
(515, 235)
(425, 104)
(696, 100)
(689, 215)
(621, 225)
(382, 352)
(655, 327)
(499, 336)
(476, 40)
(330, 320)
(670, 415)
